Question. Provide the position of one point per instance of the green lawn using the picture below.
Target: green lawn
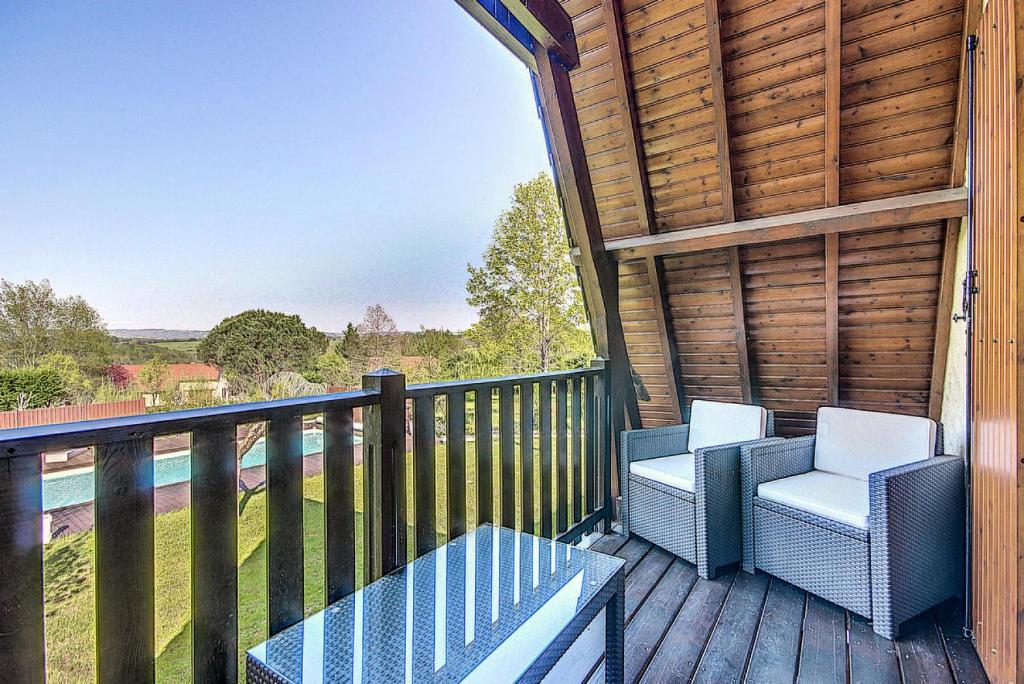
(68, 566)
(186, 346)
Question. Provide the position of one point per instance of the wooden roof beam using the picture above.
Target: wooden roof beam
(598, 271)
(883, 213)
(833, 83)
(641, 191)
(550, 25)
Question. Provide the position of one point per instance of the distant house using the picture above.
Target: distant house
(188, 378)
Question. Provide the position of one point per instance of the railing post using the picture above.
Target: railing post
(607, 437)
(384, 514)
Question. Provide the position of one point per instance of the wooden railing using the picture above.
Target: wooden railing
(570, 443)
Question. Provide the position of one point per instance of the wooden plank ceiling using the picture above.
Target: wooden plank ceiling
(704, 112)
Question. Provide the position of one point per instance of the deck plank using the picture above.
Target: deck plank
(872, 657)
(681, 649)
(922, 656)
(963, 659)
(644, 577)
(776, 650)
(725, 657)
(741, 627)
(823, 656)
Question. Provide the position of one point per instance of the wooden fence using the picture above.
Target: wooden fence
(71, 414)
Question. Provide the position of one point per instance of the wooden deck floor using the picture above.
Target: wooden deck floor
(754, 628)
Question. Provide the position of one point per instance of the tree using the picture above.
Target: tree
(349, 341)
(79, 387)
(254, 345)
(333, 370)
(26, 388)
(378, 341)
(526, 292)
(35, 322)
(153, 376)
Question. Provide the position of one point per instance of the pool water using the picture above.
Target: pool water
(78, 487)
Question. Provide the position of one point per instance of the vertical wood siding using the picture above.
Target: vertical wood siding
(997, 505)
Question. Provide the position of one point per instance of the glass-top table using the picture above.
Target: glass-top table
(491, 606)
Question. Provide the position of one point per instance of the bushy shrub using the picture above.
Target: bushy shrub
(32, 388)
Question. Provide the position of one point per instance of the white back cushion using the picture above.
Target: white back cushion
(858, 443)
(715, 422)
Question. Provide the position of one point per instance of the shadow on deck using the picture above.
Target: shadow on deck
(755, 628)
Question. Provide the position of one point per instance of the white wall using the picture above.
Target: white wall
(954, 396)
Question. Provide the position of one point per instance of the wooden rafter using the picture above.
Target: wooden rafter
(883, 213)
(641, 191)
(725, 182)
(599, 272)
(551, 27)
(972, 15)
(833, 49)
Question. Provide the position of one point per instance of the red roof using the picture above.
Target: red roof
(177, 372)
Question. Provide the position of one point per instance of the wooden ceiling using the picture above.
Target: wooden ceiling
(697, 113)
(764, 195)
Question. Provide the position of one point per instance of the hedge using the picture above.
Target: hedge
(40, 387)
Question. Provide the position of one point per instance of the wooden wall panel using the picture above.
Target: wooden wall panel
(888, 296)
(643, 342)
(784, 291)
(900, 73)
(699, 295)
(602, 123)
(998, 572)
(774, 63)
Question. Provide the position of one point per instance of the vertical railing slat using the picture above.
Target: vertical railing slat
(484, 462)
(507, 444)
(339, 504)
(284, 522)
(22, 647)
(577, 449)
(526, 452)
(387, 475)
(425, 487)
(562, 504)
(590, 451)
(214, 554)
(125, 612)
(544, 392)
(456, 448)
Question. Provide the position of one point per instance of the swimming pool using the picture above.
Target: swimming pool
(68, 489)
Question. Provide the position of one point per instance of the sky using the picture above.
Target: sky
(178, 162)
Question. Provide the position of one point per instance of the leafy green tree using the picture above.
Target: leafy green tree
(526, 291)
(349, 341)
(27, 388)
(153, 376)
(35, 322)
(332, 369)
(254, 345)
(80, 388)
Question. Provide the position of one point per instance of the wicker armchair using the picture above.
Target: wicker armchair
(694, 516)
(881, 533)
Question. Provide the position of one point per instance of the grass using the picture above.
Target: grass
(186, 346)
(69, 590)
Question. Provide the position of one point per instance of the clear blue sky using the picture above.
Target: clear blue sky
(177, 162)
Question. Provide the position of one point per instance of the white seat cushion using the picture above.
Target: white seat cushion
(838, 497)
(675, 471)
(858, 443)
(717, 422)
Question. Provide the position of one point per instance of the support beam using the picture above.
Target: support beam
(739, 322)
(641, 191)
(551, 28)
(599, 272)
(501, 24)
(833, 47)
(718, 101)
(832, 318)
(943, 314)
(883, 213)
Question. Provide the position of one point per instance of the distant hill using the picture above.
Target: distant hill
(158, 334)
